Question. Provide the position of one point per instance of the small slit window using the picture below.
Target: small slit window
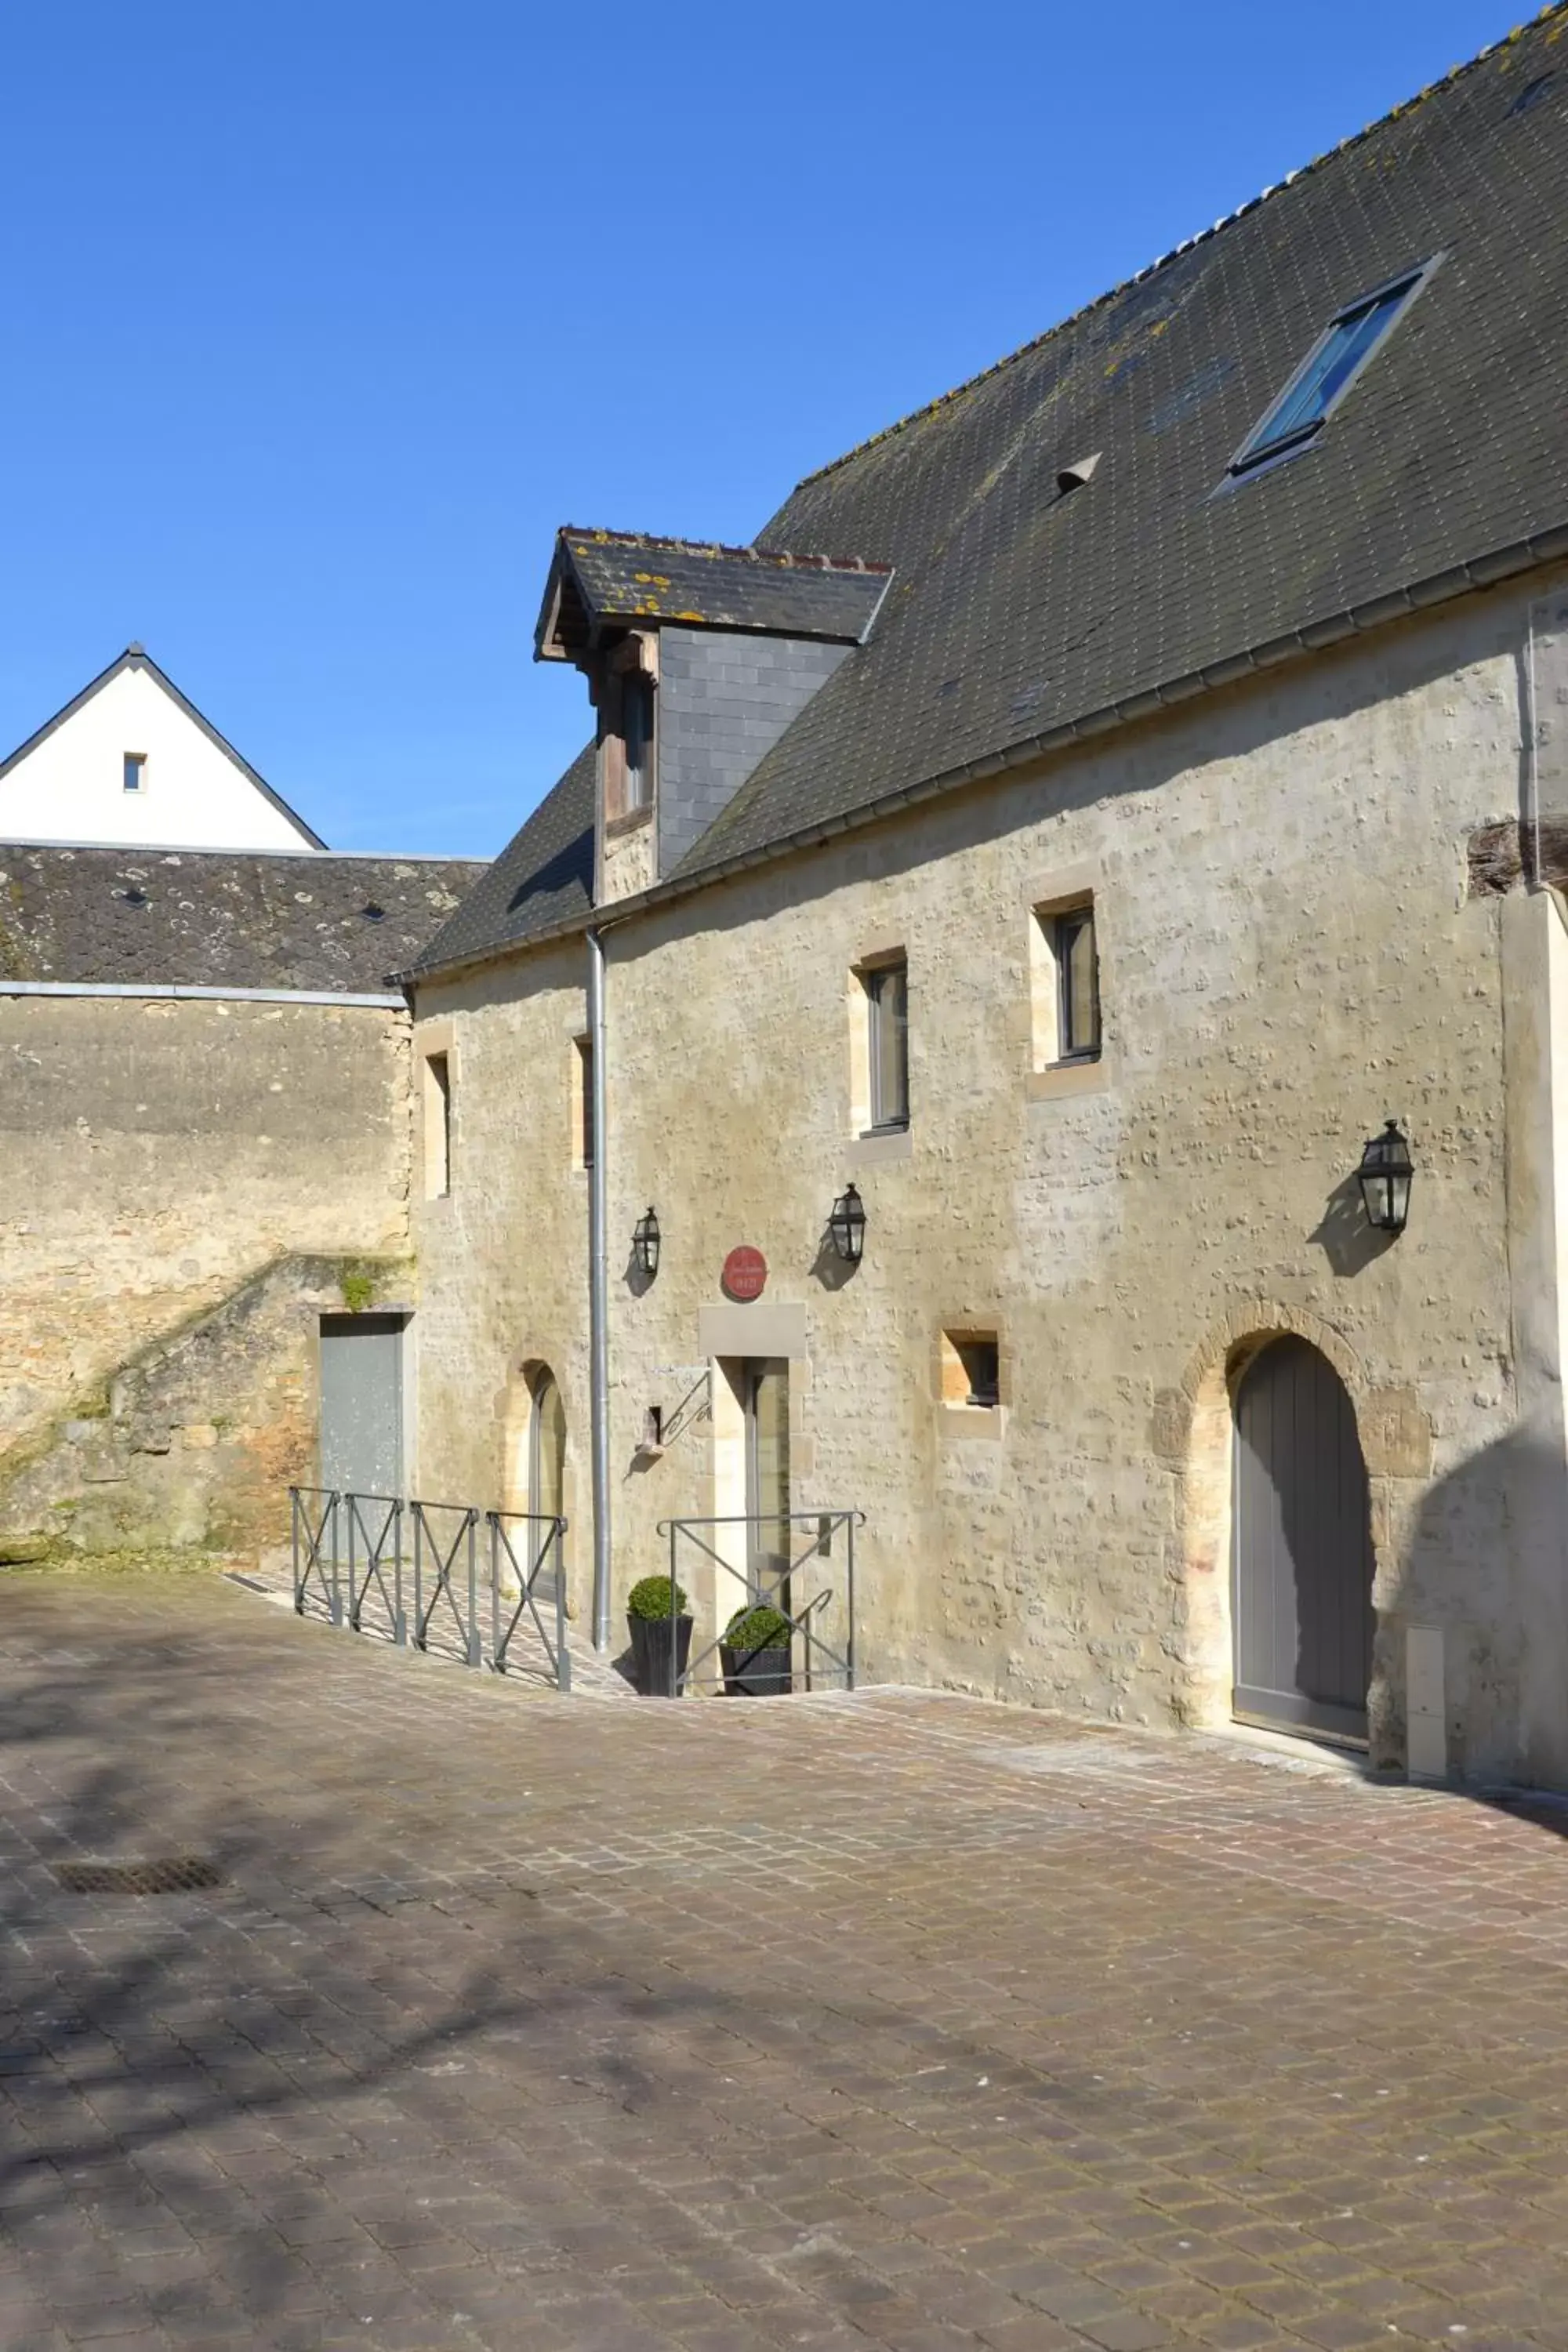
(438, 1126)
(583, 1103)
(1328, 371)
(134, 771)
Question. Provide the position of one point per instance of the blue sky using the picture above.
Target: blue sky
(321, 318)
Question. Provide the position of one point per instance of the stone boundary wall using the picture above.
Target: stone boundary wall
(158, 1154)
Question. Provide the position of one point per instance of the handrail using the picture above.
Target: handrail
(767, 1589)
(351, 1549)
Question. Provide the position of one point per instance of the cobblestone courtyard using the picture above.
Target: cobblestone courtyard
(903, 2021)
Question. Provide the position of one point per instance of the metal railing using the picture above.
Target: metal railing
(821, 1615)
(422, 1575)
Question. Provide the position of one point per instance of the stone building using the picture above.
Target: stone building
(1090, 810)
(204, 1181)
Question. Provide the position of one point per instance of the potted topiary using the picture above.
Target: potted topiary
(755, 1653)
(653, 1624)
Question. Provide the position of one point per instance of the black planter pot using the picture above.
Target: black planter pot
(755, 1673)
(650, 1653)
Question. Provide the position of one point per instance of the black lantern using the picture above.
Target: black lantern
(645, 1244)
(1384, 1174)
(848, 1225)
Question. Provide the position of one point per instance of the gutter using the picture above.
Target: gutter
(1355, 619)
(160, 989)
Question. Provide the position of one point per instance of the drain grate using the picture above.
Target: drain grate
(171, 1874)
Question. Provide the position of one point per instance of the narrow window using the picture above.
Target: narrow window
(627, 744)
(637, 736)
(1327, 373)
(582, 1102)
(438, 1126)
(1077, 986)
(888, 1017)
(970, 1369)
(135, 764)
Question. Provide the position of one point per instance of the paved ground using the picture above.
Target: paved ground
(900, 2021)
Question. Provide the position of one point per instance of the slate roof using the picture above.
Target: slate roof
(137, 657)
(216, 919)
(1018, 615)
(619, 577)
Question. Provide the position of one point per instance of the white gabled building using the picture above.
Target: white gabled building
(131, 760)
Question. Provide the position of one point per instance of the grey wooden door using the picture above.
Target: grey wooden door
(361, 1403)
(1301, 1591)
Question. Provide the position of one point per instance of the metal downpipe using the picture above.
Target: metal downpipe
(598, 1299)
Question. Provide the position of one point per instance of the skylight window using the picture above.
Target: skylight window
(1328, 371)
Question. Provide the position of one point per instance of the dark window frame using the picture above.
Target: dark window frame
(887, 1116)
(1262, 448)
(1067, 923)
(980, 1357)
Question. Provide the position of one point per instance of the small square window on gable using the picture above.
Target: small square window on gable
(1328, 369)
(134, 772)
(1064, 977)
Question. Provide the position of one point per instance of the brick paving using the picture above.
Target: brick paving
(896, 2021)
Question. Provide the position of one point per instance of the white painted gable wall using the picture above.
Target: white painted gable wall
(71, 787)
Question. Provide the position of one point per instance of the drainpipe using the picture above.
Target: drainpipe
(598, 1301)
(1530, 847)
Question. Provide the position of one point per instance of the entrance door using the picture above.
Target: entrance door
(361, 1403)
(765, 1396)
(1301, 1589)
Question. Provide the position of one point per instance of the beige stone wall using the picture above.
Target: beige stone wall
(157, 1154)
(1288, 955)
(503, 1256)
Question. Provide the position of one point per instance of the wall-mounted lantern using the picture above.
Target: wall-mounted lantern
(848, 1225)
(645, 1244)
(1384, 1174)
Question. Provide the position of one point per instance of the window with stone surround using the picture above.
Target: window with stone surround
(880, 1045)
(582, 1102)
(969, 1366)
(437, 1111)
(1064, 976)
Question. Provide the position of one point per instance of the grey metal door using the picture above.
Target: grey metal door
(361, 1403)
(1301, 1590)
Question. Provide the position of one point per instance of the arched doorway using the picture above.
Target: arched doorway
(1302, 1547)
(546, 1447)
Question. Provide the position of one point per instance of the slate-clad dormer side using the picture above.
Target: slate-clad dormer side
(724, 700)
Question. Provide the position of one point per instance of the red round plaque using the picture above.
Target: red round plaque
(745, 1273)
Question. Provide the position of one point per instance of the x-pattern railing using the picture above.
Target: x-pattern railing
(410, 1572)
(773, 1584)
